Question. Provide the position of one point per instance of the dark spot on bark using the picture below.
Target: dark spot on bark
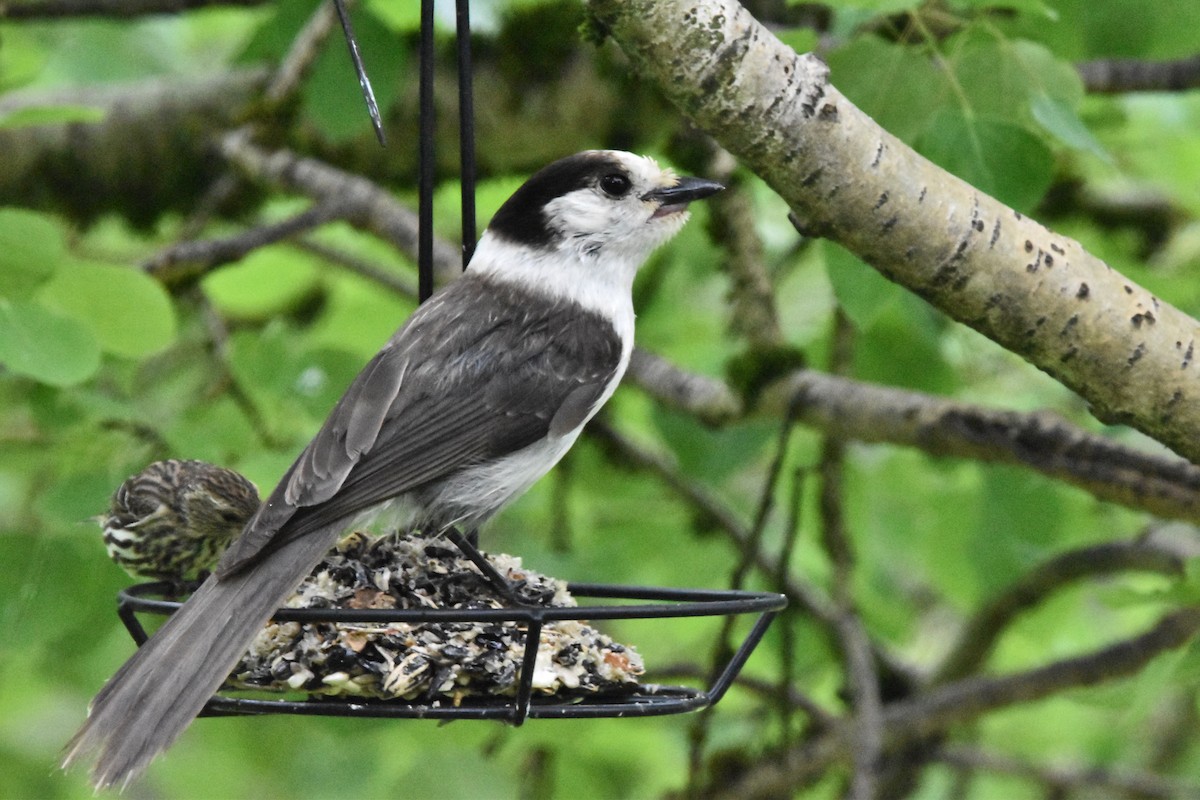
(1136, 355)
(961, 282)
(1128, 289)
(1049, 259)
(978, 225)
(1028, 246)
(1071, 323)
(883, 198)
(878, 155)
(1067, 356)
(889, 224)
(921, 196)
(812, 177)
(1057, 249)
(995, 234)
(829, 113)
(1187, 356)
(1136, 319)
(1083, 292)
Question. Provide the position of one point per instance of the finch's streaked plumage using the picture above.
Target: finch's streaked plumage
(482, 391)
(174, 519)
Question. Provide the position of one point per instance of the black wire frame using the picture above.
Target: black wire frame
(646, 700)
(426, 151)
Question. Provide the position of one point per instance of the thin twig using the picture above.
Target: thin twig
(1041, 441)
(69, 9)
(787, 623)
(722, 646)
(285, 82)
(967, 700)
(186, 261)
(1115, 75)
(861, 676)
(708, 399)
(979, 635)
(366, 205)
(752, 312)
(1140, 785)
(699, 496)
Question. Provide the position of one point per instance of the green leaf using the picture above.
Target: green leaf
(130, 314)
(45, 345)
(1061, 121)
(50, 115)
(31, 249)
(897, 85)
(21, 57)
(215, 431)
(862, 292)
(802, 40)
(994, 155)
(268, 282)
(1000, 78)
(398, 17)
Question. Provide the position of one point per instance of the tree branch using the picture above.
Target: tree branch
(365, 205)
(186, 261)
(966, 700)
(1114, 75)
(1036, 293)
(979, 635)
(1041, 441)
(1139, 785)
(66, 9)
(708, 399)
(858, 661)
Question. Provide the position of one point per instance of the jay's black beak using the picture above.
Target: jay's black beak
(684, 192)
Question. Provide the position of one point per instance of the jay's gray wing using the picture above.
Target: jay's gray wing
(447, 392)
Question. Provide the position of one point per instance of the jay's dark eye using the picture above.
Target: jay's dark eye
(615, 184)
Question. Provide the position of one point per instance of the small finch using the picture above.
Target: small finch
(174, 519)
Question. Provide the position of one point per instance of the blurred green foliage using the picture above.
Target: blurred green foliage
(104, 371)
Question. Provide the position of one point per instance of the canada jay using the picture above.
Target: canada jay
(481, 392)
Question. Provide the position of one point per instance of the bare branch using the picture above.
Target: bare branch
(1041, 441)
(1139, 785)
(365, 204)
(301, 57)
(697, 495)
(1036, 293)
(183, 262)
(396, 284)
(862, 680)
(752, 297)
(967, 700)
(1114, 75)
(979, 636)
(708, 399)
(65, 9)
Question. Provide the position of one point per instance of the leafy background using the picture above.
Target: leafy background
(106, 368)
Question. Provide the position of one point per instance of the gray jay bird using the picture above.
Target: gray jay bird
(482, 391)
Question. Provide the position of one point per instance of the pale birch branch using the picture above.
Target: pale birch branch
(1039, 294)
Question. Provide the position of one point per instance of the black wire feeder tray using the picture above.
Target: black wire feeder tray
(641, 700)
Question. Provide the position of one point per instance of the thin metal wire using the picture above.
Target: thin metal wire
(426, 157)
(466, 129)
(361, 71)
(644, 700)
